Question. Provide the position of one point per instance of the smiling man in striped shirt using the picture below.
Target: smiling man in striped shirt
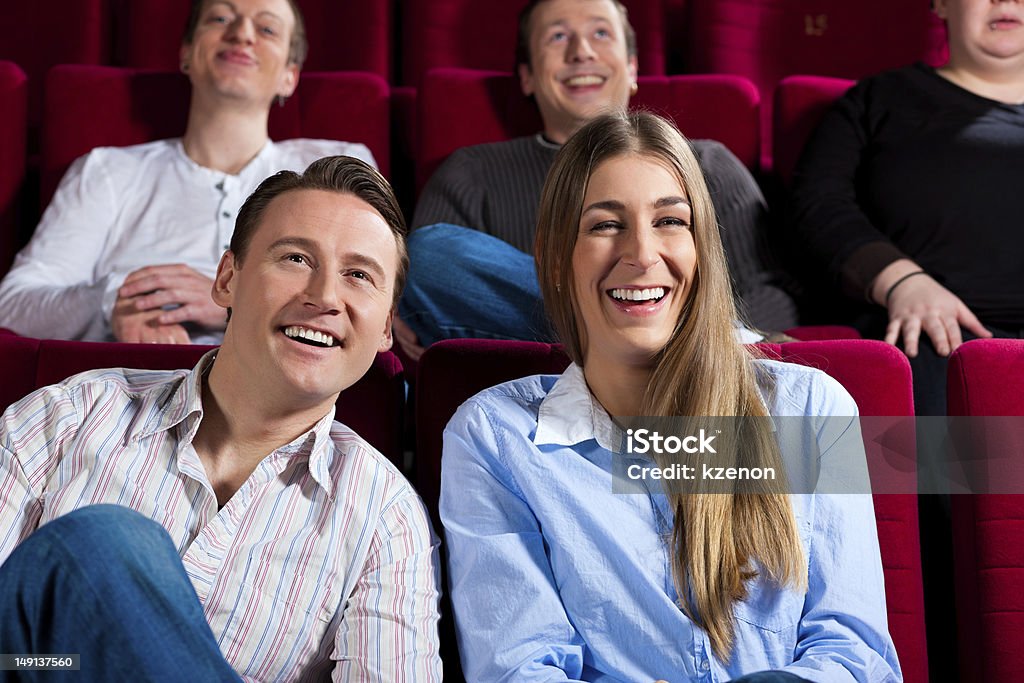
(251, 536)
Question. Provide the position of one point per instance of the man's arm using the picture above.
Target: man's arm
(508, 610)
(452, 195)
(843, 633)
(388, 631)
(33, 432)
(52, 290)
(761, 285)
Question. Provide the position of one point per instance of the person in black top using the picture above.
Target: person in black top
(906, 193)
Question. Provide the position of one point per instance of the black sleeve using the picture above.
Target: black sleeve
(825, 216)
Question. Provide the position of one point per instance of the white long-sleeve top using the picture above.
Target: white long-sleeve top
(118, 209)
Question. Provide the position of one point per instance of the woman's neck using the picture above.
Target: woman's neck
(619, 388)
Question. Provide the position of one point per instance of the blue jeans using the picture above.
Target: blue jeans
(466, 284)
(107, 583)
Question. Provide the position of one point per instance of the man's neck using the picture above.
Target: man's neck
(559, 132)
(224, 138)
(240, 428)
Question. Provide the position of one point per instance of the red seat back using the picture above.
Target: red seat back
(373, 406)
(461, 107)
(366, 28)
(13, 131)
(89, 107)
(766, 40)
(39, 35)
(986, 378)
(800, 102)
(471, 34)
(877, 375)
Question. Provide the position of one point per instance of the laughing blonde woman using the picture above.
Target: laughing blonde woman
(554, 576)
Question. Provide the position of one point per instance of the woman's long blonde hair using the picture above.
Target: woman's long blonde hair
(719, 540)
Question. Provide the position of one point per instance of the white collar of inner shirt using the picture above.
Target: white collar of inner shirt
(570, 414)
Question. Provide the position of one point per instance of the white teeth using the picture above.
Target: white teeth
(295, 331)
(654, 293)
(577, 81)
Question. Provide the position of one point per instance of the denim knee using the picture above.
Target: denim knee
(108, 533)
(104, 524)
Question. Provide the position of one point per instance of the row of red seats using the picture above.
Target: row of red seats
(984, 379)
(401, 40)
(88, 107)
(761, 39)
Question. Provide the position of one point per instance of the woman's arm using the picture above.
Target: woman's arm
(843, 634)
(508, 612)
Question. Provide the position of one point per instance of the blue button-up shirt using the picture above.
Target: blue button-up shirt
(554, 577)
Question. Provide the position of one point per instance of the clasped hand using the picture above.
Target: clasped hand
(143, 311)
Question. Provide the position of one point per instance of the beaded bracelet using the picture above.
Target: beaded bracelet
(888, 293)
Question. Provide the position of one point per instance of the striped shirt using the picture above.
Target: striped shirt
(322, 563)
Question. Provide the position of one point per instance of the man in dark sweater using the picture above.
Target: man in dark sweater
(472, 274)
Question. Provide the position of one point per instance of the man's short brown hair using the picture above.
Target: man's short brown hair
(343, 174)
(523, 37)
(298, 46)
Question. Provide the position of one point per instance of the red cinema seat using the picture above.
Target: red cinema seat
(877, 375)
(342, 36)
(40, 35)
(374, 406)
(471, 34)
(800, 103)
(822, 332)
(89, 107)
(460, 107)
(986, 378)
(766, 40)
(18, 359)
(13, 132)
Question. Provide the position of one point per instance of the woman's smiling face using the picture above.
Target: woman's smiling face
(634, 259)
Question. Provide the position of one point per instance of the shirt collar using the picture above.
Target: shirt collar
(180, 405)
(543, 141)
(320, 448)
(168, 404)
(570, 414)
(256, 166)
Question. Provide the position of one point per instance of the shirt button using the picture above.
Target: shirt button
(705, 665)
(226, 214)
